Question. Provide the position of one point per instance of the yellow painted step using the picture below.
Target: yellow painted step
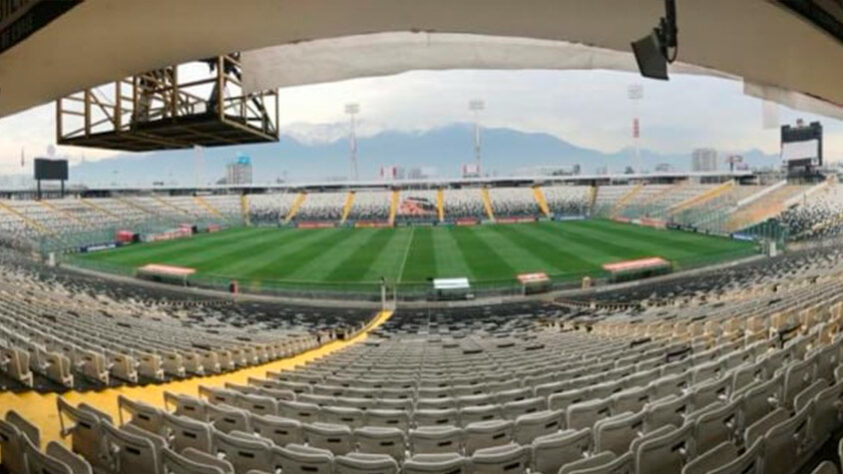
(135, 205)
(346, 209)
(244, 208)
(702, 198)
(621, 203)
(207, 206)
(440, 204)
(541, 201)
(487, 203)
(93, 205)
(592, 199)
(294, 209)
(170, 205)
(40, 409)
(59, 211)
(393, 206)
(31, 223)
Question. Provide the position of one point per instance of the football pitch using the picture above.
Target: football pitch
(413, 255)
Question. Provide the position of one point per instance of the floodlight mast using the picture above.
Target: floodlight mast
(352, 110)
(635, 92)
(476, 106)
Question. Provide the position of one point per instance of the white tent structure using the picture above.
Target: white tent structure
(383, 54)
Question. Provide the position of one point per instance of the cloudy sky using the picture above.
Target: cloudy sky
(587, 108)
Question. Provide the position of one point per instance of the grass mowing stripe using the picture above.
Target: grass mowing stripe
(450, 262)
(278, 254)
(412, 255)
(576, 251)
(570, 256)
(518, 255)
(645, 244)
(207, 256)
(421, 257)
(283, 262)
(197, 251)
(609, 249)
(630, 248)
(353, 267)
(406, 254)
(670, 237)
(389, 259)
(483, 260)
(674, 237)
(164, 249)
(302, 262)
(555, 259)
(331, 257)
(663, 243)
(244, 260)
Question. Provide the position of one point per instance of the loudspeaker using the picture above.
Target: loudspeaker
(650, 57)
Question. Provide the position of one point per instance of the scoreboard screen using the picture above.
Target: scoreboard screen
(51, 170)
(802, 145)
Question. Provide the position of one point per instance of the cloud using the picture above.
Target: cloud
(587, 108)
(33, 131)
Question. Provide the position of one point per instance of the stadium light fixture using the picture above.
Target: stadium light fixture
(659, 48)
(635, 92)
(476, 106)
(352, 110)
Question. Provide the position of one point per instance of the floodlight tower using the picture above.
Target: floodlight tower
(635, 92)
(352, 110)
(476, 106)
(198, 165)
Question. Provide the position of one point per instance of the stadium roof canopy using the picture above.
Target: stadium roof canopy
(774, 50)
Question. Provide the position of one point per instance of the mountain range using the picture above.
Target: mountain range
(313, 153)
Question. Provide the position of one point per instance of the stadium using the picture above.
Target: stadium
(636, 322)
(298, 241)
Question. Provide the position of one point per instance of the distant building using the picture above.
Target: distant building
(239, 172)
(704, 159)
(416, 173)
(470, 170)
(423, 172)
(663, 168)
(564, 170)
(391, 173)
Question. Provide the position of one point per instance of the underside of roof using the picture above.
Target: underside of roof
(764, 43)
(382, 54)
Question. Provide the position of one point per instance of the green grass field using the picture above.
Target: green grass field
(411, 255)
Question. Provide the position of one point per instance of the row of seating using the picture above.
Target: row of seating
(57, 335)
(663, 410)
(65, 217)
(374, 205)
(815, 217)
